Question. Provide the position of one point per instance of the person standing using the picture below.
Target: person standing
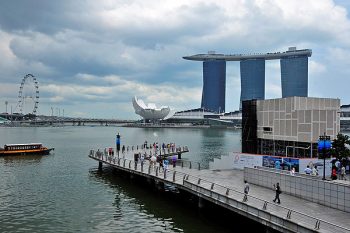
(343, 172)
(278, 192)
(246, 191)
(307, 170)
(123, 151)
(292, 171)
(142, 156)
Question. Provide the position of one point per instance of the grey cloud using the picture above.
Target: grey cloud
(58, 40)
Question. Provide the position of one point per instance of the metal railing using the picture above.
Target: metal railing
(213, 190)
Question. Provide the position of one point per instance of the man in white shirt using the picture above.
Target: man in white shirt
(307, 170)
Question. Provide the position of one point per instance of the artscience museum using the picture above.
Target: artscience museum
(150, 111)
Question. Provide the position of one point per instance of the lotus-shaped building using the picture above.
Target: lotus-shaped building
(150, 111)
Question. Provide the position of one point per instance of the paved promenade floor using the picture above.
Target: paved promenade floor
(234, 179)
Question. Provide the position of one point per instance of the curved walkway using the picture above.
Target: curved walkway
(234, 179)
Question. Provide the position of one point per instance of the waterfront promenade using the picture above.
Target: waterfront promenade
(225, 188)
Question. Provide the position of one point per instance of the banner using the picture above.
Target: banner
(246, 160)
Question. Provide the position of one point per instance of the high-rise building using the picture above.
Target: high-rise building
(252, 79)
(214, 85)
(294, 76)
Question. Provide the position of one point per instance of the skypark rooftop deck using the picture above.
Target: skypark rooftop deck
(238, 57)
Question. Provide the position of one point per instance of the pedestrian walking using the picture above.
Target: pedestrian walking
(246, 191)
(278, 192)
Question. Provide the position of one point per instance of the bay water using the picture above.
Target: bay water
(65, 192)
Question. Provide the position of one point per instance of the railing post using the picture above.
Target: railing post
(130, 165)
(124, 163)
(199, 166)
(149, 169)
(212, 186)
(174, 176)
(227, 192)
(165, 174)
(190, 165)
(199, 181)
(141, 166)
(156, 171)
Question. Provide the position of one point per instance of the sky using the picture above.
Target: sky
(91, 57)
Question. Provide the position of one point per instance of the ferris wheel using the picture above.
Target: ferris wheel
(28, 95)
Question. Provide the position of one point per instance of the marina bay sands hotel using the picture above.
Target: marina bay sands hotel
(294, 75)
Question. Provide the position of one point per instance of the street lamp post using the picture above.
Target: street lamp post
(324, 144)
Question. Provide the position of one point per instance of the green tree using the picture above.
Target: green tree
(339, 149)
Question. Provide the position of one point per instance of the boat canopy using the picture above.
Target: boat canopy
(24, 144)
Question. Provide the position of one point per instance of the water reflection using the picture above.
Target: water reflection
(21, 160)
(163, 211)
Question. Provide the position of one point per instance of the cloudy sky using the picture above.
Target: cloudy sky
(91, 57)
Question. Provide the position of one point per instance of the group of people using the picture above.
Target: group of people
(151, 149)
(311, 171)
(338, 170)
(154, 158)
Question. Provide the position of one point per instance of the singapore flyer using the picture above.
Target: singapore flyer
(28, 95)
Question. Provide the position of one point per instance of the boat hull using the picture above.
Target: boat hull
(27, 152)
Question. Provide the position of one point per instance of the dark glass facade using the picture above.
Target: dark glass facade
(214, 85)
(252, 79)
(294, 76)
(249, 127)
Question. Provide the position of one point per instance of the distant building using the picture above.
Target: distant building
(252, 79)
(288, 126)
(294, 75)
(4, 121)
(345, 111)
(214, 85)
(150, 112)
(345, 117)
(202, 116)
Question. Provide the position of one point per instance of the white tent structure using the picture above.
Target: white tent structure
(150, 111)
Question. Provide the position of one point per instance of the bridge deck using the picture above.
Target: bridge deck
(225, 189)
